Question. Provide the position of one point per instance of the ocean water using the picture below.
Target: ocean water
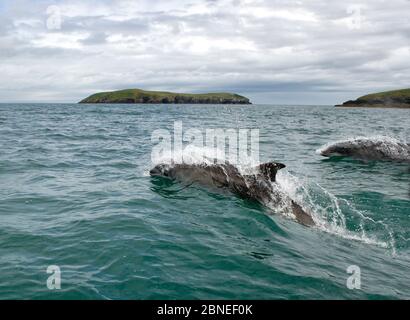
(75, 193)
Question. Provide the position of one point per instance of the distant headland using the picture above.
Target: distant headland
(154, 97)
(388, 99)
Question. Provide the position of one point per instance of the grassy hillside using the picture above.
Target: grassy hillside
(404, 93)
(143, 96)
(387, 99)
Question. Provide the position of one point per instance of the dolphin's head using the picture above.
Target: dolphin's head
(336, 150)
(161, 170)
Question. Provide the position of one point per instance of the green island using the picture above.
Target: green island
(388, 99)
(157, 97)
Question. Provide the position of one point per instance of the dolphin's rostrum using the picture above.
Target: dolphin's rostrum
(260, 186)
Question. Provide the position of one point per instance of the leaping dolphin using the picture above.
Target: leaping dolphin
(260, 186)
(376, 148)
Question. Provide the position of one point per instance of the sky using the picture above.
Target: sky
(272, 51)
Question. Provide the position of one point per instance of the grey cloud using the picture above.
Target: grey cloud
(95, 38)
(261, 48)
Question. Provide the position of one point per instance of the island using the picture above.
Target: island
(158, 97)
(388, 99)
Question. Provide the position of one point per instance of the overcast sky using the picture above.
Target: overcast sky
(293, 52)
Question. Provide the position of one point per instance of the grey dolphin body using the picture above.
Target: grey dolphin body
(368, 149)
(227, 177)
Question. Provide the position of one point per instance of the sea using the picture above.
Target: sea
(81, 218)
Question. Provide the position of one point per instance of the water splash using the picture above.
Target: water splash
(336, 215)
(331, 214)
(194, 155)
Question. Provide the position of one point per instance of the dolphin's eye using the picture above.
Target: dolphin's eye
(344, 151)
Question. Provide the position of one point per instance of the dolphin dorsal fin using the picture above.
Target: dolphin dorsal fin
(270, 169)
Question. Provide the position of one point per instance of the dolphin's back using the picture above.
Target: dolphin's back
(224, 176)
(256, 186)
(209, 175)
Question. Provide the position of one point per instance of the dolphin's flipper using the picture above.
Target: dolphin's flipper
(270, 169)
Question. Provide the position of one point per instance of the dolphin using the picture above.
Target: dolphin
(260, 186)
(378, 148)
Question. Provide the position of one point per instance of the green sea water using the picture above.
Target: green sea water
(75, 192)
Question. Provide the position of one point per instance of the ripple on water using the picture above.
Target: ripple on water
(74, 192)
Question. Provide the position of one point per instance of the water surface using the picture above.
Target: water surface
(74, 192)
